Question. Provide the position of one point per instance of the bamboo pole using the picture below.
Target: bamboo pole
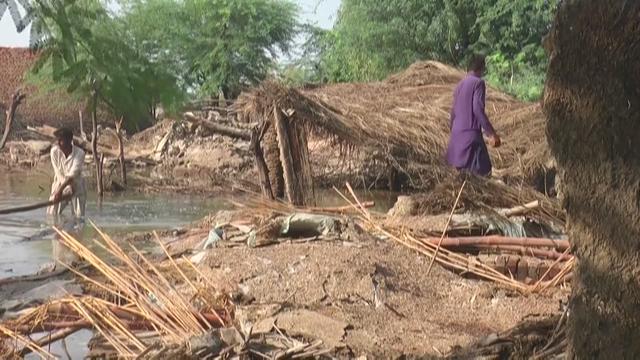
(446, 226)
(525, 251)
(34, 206)
(560, 245)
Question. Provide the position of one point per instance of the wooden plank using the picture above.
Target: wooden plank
(290, 180)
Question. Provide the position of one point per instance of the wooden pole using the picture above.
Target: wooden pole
(261, 165)
(523, 209)
(560, 245)
(33, 206)
(82, 133)
(123, 167)
(51, 338)
(94, 139)
(16, 99)
(293, 195)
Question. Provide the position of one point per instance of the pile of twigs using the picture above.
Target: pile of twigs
(482, 194)
(541, 338)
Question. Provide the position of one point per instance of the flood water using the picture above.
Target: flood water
(126, 212)
(25, 238)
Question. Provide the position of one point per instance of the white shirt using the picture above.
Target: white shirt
(65, 167)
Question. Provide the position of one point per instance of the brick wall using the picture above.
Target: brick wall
(52, 108)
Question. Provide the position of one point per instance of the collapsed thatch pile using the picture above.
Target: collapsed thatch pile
(407, 115)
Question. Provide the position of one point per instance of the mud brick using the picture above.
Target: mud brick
(533, 271)
(523, 270)
(512, 265)
(542, 269)
(555, 270)
(501, 264)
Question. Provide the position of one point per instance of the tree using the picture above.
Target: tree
(85, 53)
(591, 101)
(372, 39)
(213, 44)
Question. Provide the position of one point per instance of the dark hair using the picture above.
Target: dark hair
(476, 63)
(65, 134)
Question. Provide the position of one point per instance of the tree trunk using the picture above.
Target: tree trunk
(16, 99)
(94, 143)
(123, 166)
(592, 101)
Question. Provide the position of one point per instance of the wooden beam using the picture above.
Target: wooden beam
(217, 128)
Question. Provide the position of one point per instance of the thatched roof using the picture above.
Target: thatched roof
(406, 113)
(54, 109)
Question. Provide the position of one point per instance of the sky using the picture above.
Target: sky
(318, 12)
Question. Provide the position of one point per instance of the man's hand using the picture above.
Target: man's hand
(495, 141)
(58, 195)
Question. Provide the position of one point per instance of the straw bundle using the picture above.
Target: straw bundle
(482, 194)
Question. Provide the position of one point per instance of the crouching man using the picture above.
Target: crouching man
(67, 161)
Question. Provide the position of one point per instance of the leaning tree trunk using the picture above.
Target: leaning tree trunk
(94, 144)
(592, 101)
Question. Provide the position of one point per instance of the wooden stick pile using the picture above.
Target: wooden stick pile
(456, 261)
(142, 299)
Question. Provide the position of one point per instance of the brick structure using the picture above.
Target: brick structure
(52, 108)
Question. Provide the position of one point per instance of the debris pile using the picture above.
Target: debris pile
(406, 119)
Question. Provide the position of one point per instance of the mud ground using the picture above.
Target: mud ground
(415, 313)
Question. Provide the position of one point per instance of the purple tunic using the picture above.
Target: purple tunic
(467, 150)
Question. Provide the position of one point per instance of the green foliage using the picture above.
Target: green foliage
(212, 44)
(85, 52)
(372, 39)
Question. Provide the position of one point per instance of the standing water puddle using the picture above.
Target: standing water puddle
(118, 214)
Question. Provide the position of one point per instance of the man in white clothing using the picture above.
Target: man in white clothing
(67, 161)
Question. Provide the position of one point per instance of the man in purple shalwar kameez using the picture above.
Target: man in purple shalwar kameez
(467, 150)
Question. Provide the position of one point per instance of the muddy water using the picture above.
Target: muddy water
(26, 242)
(25, 238)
